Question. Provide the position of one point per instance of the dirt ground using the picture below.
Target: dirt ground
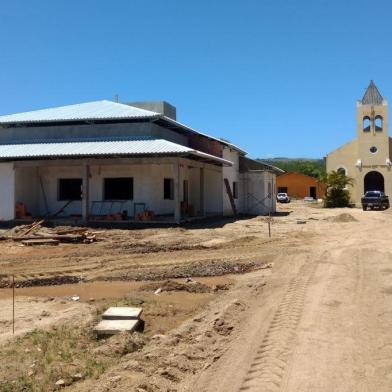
(306, 310)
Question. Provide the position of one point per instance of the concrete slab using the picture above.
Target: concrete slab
(111, 327)
(122, 313)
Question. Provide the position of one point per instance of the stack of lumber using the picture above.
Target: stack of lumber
(33, 234)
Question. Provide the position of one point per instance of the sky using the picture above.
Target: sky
(280, 78)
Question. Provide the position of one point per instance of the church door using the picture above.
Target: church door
(374, 181)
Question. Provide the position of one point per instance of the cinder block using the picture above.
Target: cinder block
(111, 327)
(122, 313)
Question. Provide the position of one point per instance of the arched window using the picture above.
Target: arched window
(378, 122)
(366, 124)
(342, 170)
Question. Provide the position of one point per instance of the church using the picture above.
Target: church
(367, 159)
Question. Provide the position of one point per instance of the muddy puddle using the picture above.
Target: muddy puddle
(100, 290)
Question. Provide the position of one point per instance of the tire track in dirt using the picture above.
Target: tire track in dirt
(268, 367)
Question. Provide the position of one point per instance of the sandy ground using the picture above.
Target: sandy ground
(318, 320)
(31, 313)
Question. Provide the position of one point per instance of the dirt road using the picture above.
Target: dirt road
(319, 320)
(324, 321)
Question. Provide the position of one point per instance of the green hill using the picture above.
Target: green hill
(310, 167)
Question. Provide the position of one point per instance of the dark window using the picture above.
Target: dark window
(235, 190)
(70, 189)
(283, 189)
(373, 149)
(120, 188)
(168, 188)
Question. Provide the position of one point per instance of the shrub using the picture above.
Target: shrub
(337, 194)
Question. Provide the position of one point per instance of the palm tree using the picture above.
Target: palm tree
(337, 193)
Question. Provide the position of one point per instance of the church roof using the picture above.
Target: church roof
(372, 95)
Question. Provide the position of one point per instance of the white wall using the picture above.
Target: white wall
(232, 174)
(7, 191)
(254, 190)
(213, 187)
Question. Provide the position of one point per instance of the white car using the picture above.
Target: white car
(283, 197)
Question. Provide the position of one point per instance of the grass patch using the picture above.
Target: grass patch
(36, 361)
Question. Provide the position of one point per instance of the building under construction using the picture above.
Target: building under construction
(105, 160)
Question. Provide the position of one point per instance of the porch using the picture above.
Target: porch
(153, 190)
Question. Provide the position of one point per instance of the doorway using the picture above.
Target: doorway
(185, 196)
(313, 192)
(374, 181)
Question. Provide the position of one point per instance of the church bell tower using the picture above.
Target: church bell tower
(372, 128)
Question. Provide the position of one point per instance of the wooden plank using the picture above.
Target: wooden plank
(34, 226)
(231, 198)
(40, 241)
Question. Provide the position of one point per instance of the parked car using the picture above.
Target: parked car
(283, 197)
(375, 199)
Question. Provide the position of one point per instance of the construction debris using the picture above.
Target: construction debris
(35, 234)
(40, 241)
(118, 319)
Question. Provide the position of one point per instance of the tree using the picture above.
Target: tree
(337, 194)
(310, 167)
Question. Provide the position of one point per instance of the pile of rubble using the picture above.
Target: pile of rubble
(35, 234)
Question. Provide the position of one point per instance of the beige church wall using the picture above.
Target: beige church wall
(345, 157)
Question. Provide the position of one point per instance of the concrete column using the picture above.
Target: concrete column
(85, 192)
(177, 202)
(7, 191)
(202, 207)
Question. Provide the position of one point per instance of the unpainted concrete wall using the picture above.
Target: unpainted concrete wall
(18, 134)
(255, 189)
(7, 191)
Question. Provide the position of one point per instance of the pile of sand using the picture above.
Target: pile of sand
(342, 218)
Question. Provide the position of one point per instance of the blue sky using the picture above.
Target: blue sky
(278, 77)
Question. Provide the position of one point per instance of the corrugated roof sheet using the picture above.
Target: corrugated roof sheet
(98, 110)
(372, 95)
(99, 147)
(247, 164)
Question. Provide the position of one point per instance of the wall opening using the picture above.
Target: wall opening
(168, 188)
(366, 124)
(342, 170)
(378, 122)
(283, 189)
(69, 189)
(120, 188)
(374, 181)
(235, 189)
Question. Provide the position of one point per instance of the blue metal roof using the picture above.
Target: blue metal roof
(101, 148)
(98, 110)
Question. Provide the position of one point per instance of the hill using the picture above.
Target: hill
(310, 167)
